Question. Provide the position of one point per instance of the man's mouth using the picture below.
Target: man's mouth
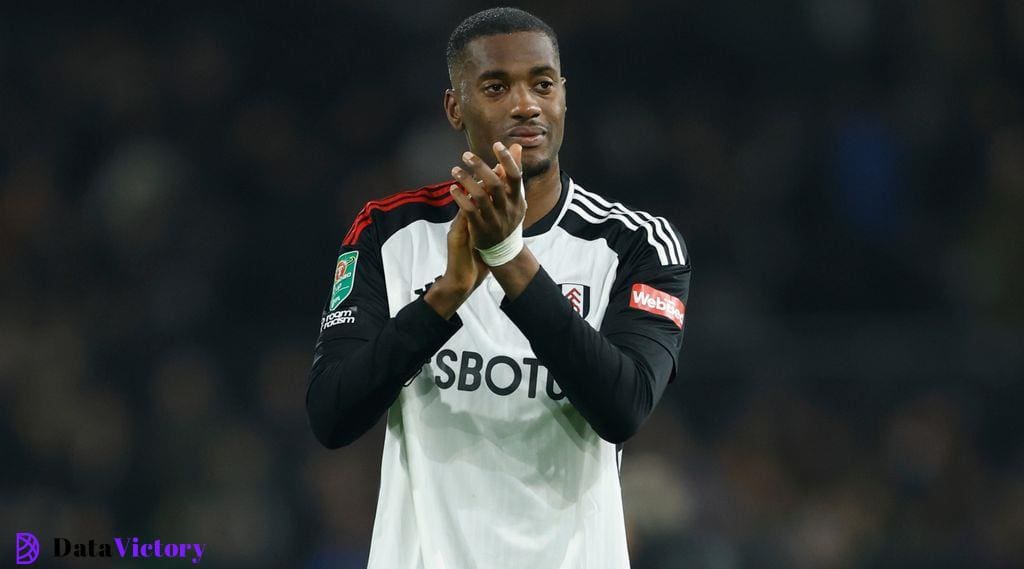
(527, 136)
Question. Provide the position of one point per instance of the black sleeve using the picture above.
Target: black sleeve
(616, 376)
(362, 357)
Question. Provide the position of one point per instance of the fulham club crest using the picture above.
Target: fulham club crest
(578, 296)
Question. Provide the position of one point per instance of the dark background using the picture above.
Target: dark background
(175, 180)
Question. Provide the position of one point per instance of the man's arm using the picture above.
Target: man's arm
(363, 358)
(614, 378)
(353, 381)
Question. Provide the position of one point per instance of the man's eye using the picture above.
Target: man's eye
(545, 85)
(494, 88)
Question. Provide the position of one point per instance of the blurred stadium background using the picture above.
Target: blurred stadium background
(176, 177)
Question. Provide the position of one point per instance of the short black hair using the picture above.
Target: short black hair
(490, 22)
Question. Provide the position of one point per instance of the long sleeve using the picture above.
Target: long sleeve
(363, 357)
(614, 377)
(353, 381)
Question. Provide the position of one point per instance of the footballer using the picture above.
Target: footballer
(514, 328)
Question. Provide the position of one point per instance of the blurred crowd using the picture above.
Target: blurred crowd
(175, 179)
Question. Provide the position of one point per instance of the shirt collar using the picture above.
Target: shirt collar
(545, 223)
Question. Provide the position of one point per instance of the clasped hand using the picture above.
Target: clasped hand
(491, 205)
(491, 200)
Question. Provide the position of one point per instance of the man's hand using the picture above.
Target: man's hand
(494, 205)
(465, 271)
(492, 201)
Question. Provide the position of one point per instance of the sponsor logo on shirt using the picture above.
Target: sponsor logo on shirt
(501, 375)
(650, 299)
(345, 316)
(344, 277)
(578, 296)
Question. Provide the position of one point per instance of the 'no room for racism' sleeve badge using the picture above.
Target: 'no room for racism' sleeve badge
(344, 277)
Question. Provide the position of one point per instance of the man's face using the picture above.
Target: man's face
(510, 88)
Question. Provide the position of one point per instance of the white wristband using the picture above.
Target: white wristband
(506, 250)
(510, 246)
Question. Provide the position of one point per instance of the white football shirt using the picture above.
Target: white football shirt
(486, 463)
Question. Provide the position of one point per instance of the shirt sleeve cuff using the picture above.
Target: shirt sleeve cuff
(423, 328)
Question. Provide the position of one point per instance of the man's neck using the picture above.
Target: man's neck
(542, 193)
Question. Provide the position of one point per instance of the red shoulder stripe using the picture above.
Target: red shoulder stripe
(427, 195)
(357, 228)
(436, 195)
(377, 204)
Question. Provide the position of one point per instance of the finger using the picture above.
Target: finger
(460, 236)
(470, 239)
(500, 196)
(469, 211)
(509, 164)
(481, 199)
(490, 182)
(516, 150)
(457, 234)
(459, 224)
(467, 206)
(517, 153)
(509, 159)
(465, 203)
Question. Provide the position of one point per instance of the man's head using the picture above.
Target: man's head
(507, 85)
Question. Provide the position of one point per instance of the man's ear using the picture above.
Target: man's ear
(452, 110)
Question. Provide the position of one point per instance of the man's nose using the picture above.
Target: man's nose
(524, 103)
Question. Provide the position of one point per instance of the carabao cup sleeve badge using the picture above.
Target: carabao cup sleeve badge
(344, 277)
